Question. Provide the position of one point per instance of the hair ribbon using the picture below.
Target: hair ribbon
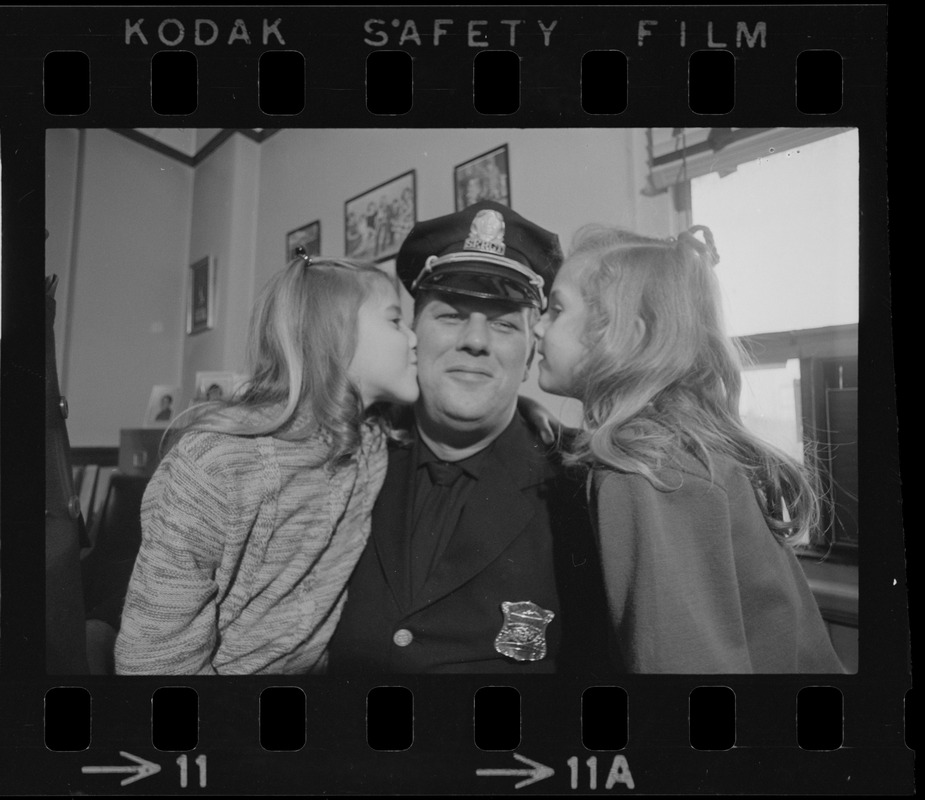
(300, 253)
(706, 248)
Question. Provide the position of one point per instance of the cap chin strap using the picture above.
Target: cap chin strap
(488, 258)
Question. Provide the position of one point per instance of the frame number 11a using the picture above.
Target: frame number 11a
(619, 773)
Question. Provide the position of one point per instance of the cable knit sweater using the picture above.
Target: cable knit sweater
(247, 545)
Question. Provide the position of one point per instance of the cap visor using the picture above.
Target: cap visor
(484, 281)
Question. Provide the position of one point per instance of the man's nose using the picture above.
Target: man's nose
(475, 334)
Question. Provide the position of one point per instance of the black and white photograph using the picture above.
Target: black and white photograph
(558, 490)
(200, 313)
(212, 385)
(161, 406)
(485, 177)
(377, 222)
(783, 597)
(304, 241)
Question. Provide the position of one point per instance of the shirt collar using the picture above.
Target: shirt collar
(471, 466)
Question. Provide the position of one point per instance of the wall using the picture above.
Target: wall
(223, 224)
(127, 264)
(560, 178)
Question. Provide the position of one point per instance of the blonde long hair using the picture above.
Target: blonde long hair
(674, 385)
(302, 339)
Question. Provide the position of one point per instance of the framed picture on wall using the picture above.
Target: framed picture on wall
(485, 177)
(162, 406)
(216, 385)
(377, 221)
(304, 241)
(200, 310)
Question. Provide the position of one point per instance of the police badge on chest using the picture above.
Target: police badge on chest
(523, 634)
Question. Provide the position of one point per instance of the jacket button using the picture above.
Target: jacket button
(62, 405)
(403, 637)
(73, 507)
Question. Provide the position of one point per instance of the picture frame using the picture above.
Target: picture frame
(163, 405)
(377, 221)
(216, 385)
(308, 237)
(200, 309)
(485, 177)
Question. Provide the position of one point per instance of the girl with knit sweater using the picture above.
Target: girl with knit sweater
(257, 514)
(694, 514)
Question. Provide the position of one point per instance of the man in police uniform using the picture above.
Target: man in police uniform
(481, 557)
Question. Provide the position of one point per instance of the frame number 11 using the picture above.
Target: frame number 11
(184, 776)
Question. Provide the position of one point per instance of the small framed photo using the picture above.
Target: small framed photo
(216, 385)
(377, 222)
(162, 406)
(485, 177)
(304, 241)
(200, 310)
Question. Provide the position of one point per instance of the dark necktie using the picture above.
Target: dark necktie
(431, 527)
(443, 473)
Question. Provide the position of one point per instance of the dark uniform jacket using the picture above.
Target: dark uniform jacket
(523, 535)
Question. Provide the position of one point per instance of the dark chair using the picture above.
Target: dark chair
(108, 566)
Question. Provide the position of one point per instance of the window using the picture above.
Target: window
(770, 404)
(802, 391)
(786, 227)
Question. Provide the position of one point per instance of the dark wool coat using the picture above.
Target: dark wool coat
(697, 583)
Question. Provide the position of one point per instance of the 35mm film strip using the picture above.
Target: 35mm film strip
(148, 153)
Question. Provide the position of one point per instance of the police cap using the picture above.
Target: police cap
(486, 250)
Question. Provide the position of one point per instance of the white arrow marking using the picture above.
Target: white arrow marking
(142, 767)
(537, 772)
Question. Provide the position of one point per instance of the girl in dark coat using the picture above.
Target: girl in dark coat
(695, 515)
